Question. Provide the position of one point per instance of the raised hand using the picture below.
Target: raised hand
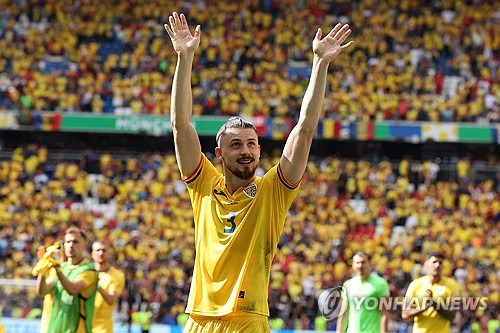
(182, 39)
(330, 47)
(40, 252)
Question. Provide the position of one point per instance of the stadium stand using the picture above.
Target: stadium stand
(396, 212)
(426, 60)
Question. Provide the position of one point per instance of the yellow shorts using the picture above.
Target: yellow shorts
(233, 323)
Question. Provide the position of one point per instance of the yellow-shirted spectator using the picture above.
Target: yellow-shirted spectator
(463, 168)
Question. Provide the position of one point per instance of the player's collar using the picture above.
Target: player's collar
(78, 263)
(105, 270)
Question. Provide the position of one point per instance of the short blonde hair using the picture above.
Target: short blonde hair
(75, 230)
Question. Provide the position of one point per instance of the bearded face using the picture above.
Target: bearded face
(239, 152)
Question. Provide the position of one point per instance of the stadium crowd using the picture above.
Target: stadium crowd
(433, 60)
(141, 206)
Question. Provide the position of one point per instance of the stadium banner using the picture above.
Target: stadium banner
(260, 125)
(206, 125)
(329, 128)
(277, 128)
(8, 120)
(152, 125)
(48, 121)
(364, 130)
(440, 132)
(406, 132)
(382, 131)
(18, 325)
(138, 124)
(476, 133)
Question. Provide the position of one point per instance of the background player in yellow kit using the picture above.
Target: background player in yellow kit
(110, 286)
(238, 216)
(429, 317)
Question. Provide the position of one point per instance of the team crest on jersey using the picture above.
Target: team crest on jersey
(250, 190)
(440, 291)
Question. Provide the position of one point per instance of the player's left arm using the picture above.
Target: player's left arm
(115, 290)
(449, 314)
(295, 154)
(343, 318)
(72, 287)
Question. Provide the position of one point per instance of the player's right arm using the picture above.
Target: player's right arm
(409, 310)
(187, 143)
(409, 313)
(109, 297)
(43, 287)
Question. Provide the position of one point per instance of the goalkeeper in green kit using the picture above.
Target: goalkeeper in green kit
(362, 295)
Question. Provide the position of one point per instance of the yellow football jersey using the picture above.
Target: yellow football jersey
(235, 239)
(113, 281)
(90, 279)
(430, 320)
(50, 276)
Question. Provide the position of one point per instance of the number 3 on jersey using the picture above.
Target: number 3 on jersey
(233, 225)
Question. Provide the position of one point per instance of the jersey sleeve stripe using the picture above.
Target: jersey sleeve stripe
(285, 182)
(192, 177)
